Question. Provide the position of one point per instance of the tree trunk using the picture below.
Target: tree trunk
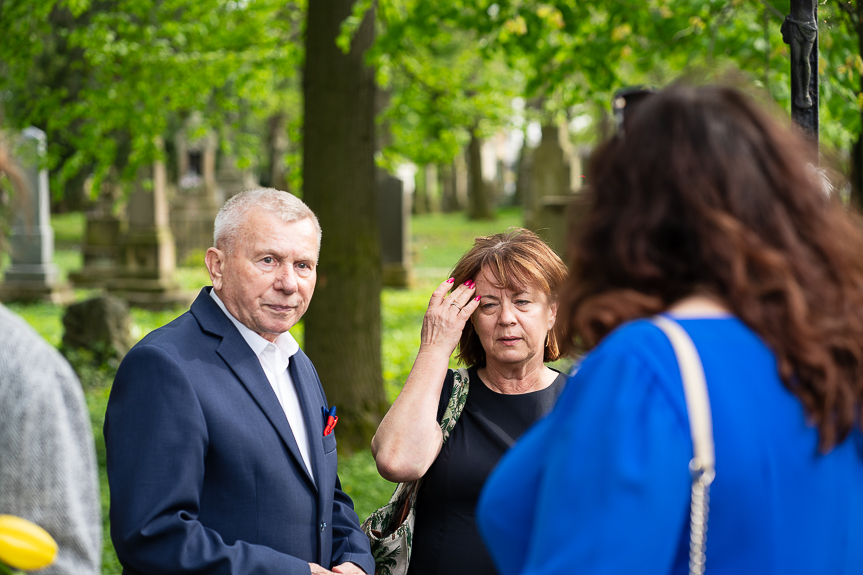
(857, 173)
(277, 147)
(479, 198)
(420, 197)
(857, 146)
(432, 197)
(523, 175)
(447, 180)
(343, 324)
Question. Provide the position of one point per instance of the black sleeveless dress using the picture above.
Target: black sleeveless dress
(446, 540)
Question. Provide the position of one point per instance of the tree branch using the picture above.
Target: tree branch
(846, 7)
(773, 9)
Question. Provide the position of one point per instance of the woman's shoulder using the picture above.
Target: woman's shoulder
(629, 379)
(644, 338)
(636, 360)
(635, 338)
(640, 344)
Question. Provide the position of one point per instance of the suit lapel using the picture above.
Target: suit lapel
(245, 365)
(305, 383)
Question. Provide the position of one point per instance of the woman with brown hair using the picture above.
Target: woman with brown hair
(499, 307)
(704, 211)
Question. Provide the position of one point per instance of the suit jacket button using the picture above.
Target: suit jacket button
(323, 525)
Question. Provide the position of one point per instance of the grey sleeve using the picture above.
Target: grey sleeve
(47, 457)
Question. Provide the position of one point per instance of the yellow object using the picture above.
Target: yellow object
(25, 545)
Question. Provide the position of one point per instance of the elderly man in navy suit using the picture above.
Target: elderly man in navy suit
(220, 456)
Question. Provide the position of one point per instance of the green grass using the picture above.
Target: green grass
(360, 480)
(68, 229)
(45, 318)
(438, 242)
(441, 239)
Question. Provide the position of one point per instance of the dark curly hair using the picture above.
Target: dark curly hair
(708, 193)
(517, 258)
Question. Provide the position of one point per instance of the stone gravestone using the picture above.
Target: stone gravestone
(550, 193)
(32, 275)
(231, 180)
(101, 244)
(194, 205)
(146, 275)
(559, 214)
(101, 325)
(394, 205)
(550, 173)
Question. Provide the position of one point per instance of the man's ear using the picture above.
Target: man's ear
(215, 260)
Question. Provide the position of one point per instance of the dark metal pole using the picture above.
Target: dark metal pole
(800, 31)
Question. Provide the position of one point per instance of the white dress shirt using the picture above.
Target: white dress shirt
(275, 358)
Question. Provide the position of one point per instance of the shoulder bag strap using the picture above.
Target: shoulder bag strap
(702, 465)
(457, 399)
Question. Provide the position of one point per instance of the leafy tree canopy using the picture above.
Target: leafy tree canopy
(104, 79)
(565, 53)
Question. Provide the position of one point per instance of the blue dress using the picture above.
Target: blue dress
(601, 484)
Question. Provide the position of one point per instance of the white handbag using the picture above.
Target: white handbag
(702, 464)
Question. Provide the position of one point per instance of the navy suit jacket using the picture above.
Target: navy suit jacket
(204, 471)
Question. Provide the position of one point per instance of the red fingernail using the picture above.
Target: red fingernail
(467, 283)
(477, 298)
(450, 280)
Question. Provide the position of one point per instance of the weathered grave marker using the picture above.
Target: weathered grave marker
(394, 209)
(101, 325)
(194, 206)
(146, 277)
(32, 275)
(550, 193)
(100, 246)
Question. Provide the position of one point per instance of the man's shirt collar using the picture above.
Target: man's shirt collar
(285, 342)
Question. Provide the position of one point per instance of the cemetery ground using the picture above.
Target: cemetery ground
(438, 241)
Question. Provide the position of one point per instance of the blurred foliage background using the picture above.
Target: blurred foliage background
(105, 78)
(111, 82)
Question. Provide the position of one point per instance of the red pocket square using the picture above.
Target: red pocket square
(331, 424)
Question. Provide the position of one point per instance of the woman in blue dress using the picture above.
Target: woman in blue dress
(704, 210)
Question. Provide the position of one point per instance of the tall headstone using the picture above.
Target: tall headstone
(32, 275)
(550, 174)
(194, 206)
(146, 277)
(231, 180)
(101, 243)
(551, 191)
(394, 205)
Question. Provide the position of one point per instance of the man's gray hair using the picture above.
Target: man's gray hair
(284, 205)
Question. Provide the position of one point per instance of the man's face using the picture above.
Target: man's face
(267, 280)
